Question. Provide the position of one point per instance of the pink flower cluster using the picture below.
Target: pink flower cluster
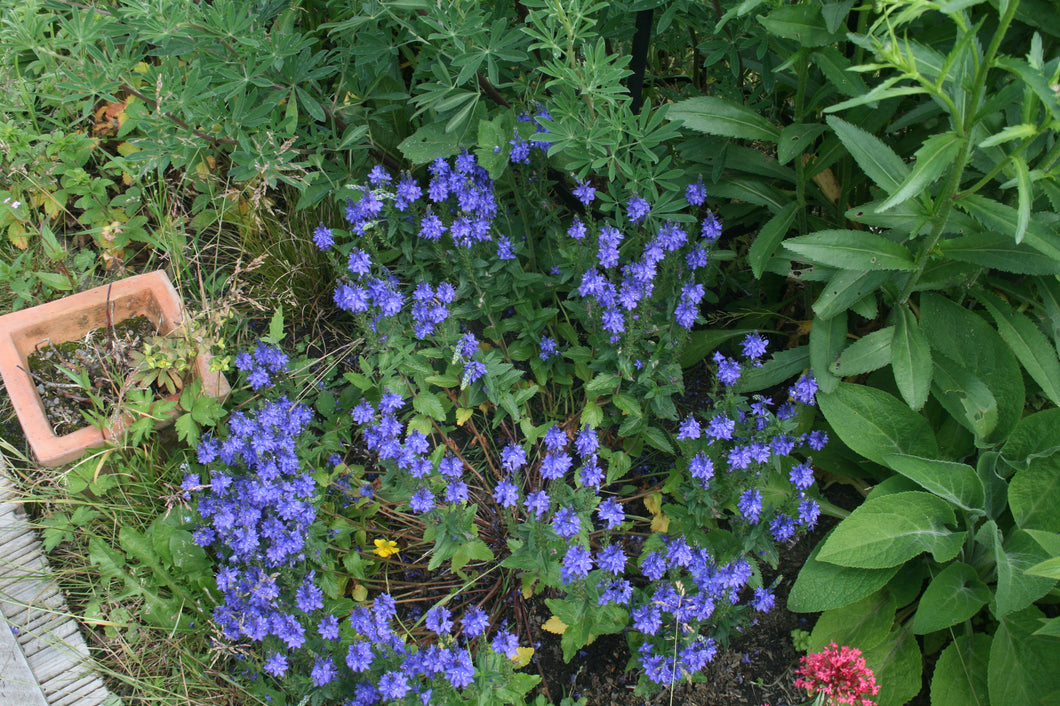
(839, 672)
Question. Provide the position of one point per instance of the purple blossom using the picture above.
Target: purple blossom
(475, 622)
(610, 513)
(566, 523)
(611, 559)
(782, 528)
(439, 620)
(763, 600)
(505, 643)
(637, 208)
(473, 370)
(801, 476)
(577, 563)
(701, 467)
(324, 671)
(586, 443)
(750, 505)
(506, 494)
(537, 502)
(548, 348)
(696, 193)
(577, 229)
(323, 237)
(809, 511)
(689, 429)
(711, 230)
(276, 664)
(804, 389)
(754, 346)
(585, 193)
(728, 370)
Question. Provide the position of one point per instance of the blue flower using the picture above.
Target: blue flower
(637, 208)
(647, 619)
(513, 457)
(611, 513)
(689, 429)
(782, 528)
(754, 346)
(538, 502)
(608, 240)
(809, 511)
(407, 193)
(566, 523)
(328, 627)
(653, 566)
(586, 443)
(763, 600)
(711, 230)
(801, 476)
(422, 501)
(324, 671)
(276, 664)
(701, 467)
(577, 563)
(577, 229)
(696, 193)
(505, 643)
(555, 465)
(439, 620)
(728, 370)
(555, 438)
(475, 622)
(611, 559)
(393, 685)
(548, 348)
(378, 175)
(750, 505)
(323, 237)
(359, 656)
(456, 492)
(504, 248)
(585, 193)
(473, 370)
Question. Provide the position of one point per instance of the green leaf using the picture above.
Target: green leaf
(971, 342)
(826, 342)
(603, 383)
(1036, 436)
(960, 677)
(1029, 344)
(1025, 197)
(429, 405)
(932, 159)
(1006, 220)
(954, 482)
(770, 237)
(836, 69)
(428, 143)
(851, 250)
(715, 116)
(847, 287)
(964, 396)
(797, 139)
(475, 550)
(1050, 568)
(953, 596)
(835, 14)
(875, 424)
(863, 624)
(870, 352)
(1009, 133)
(784, 365)
(822, 586)
(875, 158)
(1023, 664)
(911, 359)
(1033, 495)
(703, 342)
(892, 529)
(1013, 555)
(999, 252)
(898, 666)
(803, 23)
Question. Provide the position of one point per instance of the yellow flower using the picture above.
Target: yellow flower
(385, 547)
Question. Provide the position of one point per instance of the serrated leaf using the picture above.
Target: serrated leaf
(870, 352)
(953, 596)
(1008, 133)
(836, 69)
(1024, 197)
(999, 252)
(429, 143)
(1006, 220)
(716, 116)
(803, 23)
(462, 415)
(429, 405)
(769, 238)
(851, 250)
(876, 159)
(847, 287)
(796, 139)
(875, 424)
(932, 159)
(911, 359)
(1029, 344)
(892, 529)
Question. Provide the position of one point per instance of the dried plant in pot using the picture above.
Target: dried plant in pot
(159, 359)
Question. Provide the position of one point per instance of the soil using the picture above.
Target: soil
(104, 355)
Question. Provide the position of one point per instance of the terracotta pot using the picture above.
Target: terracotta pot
(151, 295)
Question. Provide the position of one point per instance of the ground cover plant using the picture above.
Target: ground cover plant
(528, 302)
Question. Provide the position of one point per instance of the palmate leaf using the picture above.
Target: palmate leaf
(851, 250)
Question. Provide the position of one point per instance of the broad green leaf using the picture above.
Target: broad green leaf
(898, 666)
(933, 158)
(960, 677)
(994, 485)
(954, 482)
(911, 359)
(891, 530)
(964, 396)
(1034, 495)
(1049, 627)
(428, 404)
(835, 14)
(784, 365)
(826, 342)
(603, 383)
(1050, 568)
(875, 424)
(875, 158)
(716, 116)
(803, 23)
(863, 624)
(999, 252)
(870, 352)
(796, 139)
(974, 344)
(851, 250)
(847, 287)
(821, 586)
(1036, 436)
(769, 237)
(1029, 344)
(1013, 555)
(752, 191)
(428, 143)
(1023, 665)
(953, 596)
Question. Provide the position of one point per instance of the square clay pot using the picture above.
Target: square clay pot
(151, 295)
